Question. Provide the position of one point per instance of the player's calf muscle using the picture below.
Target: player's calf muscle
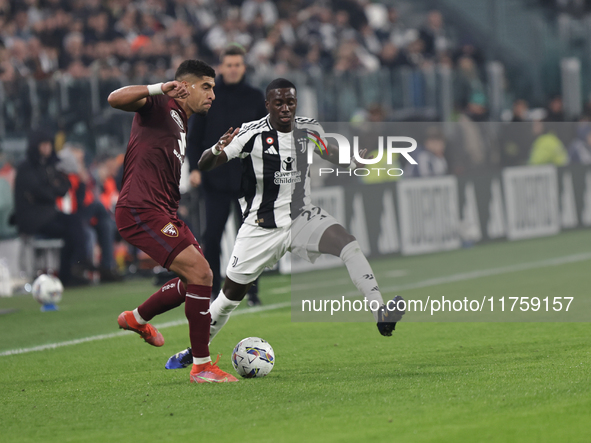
(235, 291)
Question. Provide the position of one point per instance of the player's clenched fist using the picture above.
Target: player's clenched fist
(175, 89)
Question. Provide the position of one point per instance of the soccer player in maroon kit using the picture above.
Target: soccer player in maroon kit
(146, 212)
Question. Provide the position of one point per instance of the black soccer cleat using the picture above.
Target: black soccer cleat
(387, 318)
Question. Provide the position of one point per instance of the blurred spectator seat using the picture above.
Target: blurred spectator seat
(39, 254)
(6, 208)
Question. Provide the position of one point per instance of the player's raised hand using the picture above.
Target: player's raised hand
(226, 139)
(175, 89)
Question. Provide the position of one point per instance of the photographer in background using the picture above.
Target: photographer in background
(37, 186)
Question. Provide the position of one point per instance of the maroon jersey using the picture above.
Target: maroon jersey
(155, 153)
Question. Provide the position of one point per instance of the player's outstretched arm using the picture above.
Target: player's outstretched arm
(215, 156)
(132, 98)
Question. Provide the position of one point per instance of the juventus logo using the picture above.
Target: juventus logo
(368, 276)
(234, 261)
(303, 141)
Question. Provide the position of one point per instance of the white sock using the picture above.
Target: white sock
(220, 310)
(139, 318)
(362, 275)
(200, 361)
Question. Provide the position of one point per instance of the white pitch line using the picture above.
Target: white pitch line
(558, 261)
(395, 273)
(169, 324)
(464, 276)
(63, 343)
(421, 284)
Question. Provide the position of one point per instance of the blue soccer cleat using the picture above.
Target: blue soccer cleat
(387, 318)
(180, 360)
(49, 307)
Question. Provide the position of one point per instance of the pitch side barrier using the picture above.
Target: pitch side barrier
(391, 209)
(406, 214)
(425, 215)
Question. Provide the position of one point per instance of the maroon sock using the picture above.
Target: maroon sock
(171, 295)
(197, 312)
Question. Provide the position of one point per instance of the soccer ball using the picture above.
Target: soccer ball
(47, 289)
(253, 357)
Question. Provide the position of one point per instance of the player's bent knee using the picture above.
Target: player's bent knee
(192, 267)
(200, 275)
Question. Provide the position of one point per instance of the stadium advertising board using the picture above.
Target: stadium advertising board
(428, 214)
(423, 215)
(531, 197)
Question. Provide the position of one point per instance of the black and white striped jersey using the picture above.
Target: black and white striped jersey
(275, 170)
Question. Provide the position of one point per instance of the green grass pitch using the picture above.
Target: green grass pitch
(430, 382)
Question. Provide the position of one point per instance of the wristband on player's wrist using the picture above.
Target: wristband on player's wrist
(155, 89)
(353, 165)
(214, 151)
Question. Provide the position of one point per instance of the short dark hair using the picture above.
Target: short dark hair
(194, 67)
(232, 49)
(279, 83)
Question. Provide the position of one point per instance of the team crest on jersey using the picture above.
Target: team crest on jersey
(303, 141)
(177, 118)
(170, 230)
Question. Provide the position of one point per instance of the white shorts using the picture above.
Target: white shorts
(258, 248)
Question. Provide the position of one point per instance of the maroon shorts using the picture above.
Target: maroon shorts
(158, 234)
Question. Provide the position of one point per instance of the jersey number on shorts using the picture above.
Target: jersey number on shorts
(183, 143)
(311, 215)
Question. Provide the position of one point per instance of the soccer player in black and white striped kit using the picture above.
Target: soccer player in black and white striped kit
(277, 210)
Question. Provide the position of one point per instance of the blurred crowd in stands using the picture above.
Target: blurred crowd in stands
(143, 41)
(148, 38)
(574, 7)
